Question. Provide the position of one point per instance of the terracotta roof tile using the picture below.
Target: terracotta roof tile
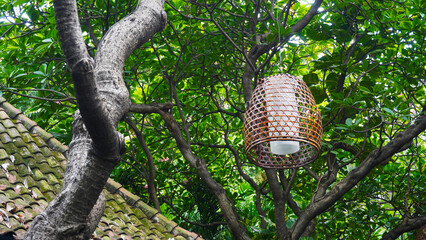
(5, 138)
(3, 154)
(32, 165)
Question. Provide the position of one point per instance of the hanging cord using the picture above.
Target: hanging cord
(279, 40)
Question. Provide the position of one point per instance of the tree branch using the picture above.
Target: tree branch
(319, 205)
(69, 31)
(82, 68)
(150, 108)
(257, 50)
(307, 18)
(151, 176)
(279, 203)
(226, 206)
(103, 100)
(404, 226)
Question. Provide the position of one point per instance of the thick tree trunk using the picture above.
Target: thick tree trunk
(103, 100)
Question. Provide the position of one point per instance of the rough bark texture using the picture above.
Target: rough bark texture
(103, 100)
(279, 203)
(226, 205)
(406, 225)
(317, 206)
(229, 212)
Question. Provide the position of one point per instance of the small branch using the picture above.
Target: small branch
(307, 18)
(228, 209)
(212, 224)
(67, 99)
(259, 209)
(360, 77)
(184, 15)
(376, 157)
(151, 176)
(279, 203)
(41, 90)
(287, 187)
(251, 64)
(287, 12)
(311, 173)
(150, 108)
(404, 226)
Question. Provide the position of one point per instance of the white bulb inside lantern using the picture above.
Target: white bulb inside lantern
(284, 147)
(281, 108)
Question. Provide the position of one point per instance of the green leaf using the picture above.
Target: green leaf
(348, 122)
(39, 73)
(47, 40)
(311, 79)
(271, 37)
(364, 89)
(194, 65)
(388, 111)
(20, 2)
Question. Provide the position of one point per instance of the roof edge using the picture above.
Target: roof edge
(111, 185)
(153, 214)
(32, 126)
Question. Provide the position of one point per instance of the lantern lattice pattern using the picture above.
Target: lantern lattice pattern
(421, 234)
(282, 110)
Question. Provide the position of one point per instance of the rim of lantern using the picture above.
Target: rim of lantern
(282, 114)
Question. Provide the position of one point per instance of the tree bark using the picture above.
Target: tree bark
(405, 226)
(152, 191)
(103, 100)
(317, 206)
(279, 203)
(229, 212)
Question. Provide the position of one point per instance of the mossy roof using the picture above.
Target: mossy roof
(32, 165)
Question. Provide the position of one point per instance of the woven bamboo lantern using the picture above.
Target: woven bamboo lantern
(282, 126)
(421, 234)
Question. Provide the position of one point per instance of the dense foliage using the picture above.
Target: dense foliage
(364, 62)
